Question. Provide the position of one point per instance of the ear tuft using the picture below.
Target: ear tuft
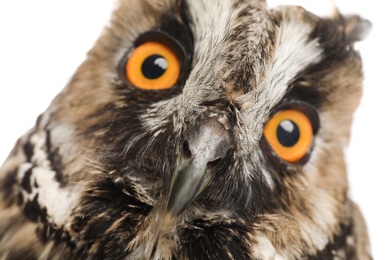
(357, 28)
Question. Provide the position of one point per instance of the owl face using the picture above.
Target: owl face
(199, 126)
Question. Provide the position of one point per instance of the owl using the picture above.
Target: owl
(195, 130)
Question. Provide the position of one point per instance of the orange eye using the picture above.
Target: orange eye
(290, 134)
(153, 66)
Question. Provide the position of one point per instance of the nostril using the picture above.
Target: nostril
(212, 164)
(186, 150)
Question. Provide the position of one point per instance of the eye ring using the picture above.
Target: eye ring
(290, 133)
(156, 63)
(153, 66)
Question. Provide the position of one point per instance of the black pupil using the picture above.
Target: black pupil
(154, 66)
(288, 133)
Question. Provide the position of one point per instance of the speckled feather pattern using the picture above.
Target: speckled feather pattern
(91, 180)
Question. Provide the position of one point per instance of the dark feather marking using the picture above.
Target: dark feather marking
(19, 199)
(332, 38)
(101, 206)
(28, 150)
(152, 255)
(48, 231)
(179, 30)
(34, 211)
(310, 94)
(222, 241)
(26, 181)
(55, 159)
(241, 42)
(7, 187)
(97, 227)
(113, 244)
(339, 244)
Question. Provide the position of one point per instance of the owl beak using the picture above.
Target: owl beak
(208, 143)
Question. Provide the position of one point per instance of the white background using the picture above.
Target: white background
(43, 41)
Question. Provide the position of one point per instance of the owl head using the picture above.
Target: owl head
(198, 127)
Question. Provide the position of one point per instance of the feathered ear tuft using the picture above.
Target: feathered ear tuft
(356, 28)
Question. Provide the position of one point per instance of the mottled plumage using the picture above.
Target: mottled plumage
(115, 171)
